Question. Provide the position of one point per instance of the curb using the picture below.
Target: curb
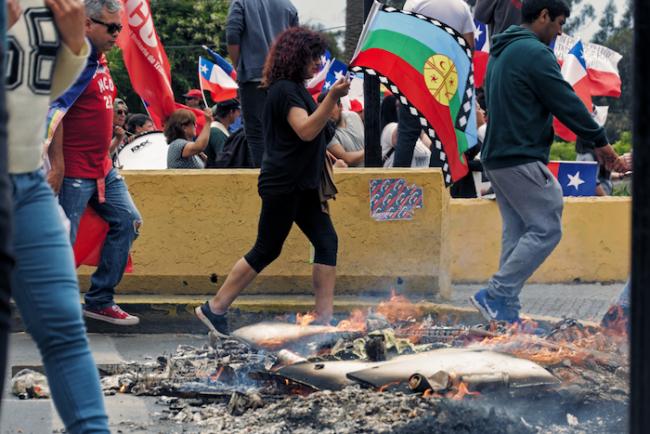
(159, 314)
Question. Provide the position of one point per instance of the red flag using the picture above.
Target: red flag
(90, 240)
(146, 61)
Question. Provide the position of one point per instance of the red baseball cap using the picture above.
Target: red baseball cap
(194, 93)
(355, 106)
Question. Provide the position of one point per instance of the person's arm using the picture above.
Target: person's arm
(201, 142)
(233, 53)
(71, 57)
(57, 163)
(234, 29)
(306, 126)
(117, 139)
(560, 99)
(352, 158)
(469, 28)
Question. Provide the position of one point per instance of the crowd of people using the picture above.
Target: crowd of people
(293, 137)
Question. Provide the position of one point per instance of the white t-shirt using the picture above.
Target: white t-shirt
(454, 13)
(421, 154)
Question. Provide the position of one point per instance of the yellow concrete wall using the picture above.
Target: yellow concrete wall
(198, 223)
(595, 244)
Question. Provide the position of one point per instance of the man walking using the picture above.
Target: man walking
(524, 89)
(89, 176)
(251, 27)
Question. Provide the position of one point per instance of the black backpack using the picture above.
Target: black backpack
(235, 153)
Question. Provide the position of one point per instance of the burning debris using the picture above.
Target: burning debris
(392, 370)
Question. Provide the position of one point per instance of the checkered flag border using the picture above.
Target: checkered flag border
(466, 108)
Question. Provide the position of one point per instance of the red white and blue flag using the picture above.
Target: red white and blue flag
(481, 52)
(216, 81)
(222, 63)
(315, 84)
(336, 71)
(577, 178)
(574, 71)
(601, 64)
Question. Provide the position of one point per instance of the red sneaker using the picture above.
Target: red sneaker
(112, 314)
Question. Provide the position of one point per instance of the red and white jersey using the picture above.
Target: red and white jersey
(88, 127)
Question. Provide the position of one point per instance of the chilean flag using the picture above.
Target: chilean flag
(222, 63)
(336, 71)
(601, 64)
(574, 71)
(577, 178)
(481, 52)
(215, 80)
(315, 84)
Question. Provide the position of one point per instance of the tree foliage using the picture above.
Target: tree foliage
(579, 17)
(607, 24)
(182, 26)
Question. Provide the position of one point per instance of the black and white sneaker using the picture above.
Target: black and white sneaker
(216, 323)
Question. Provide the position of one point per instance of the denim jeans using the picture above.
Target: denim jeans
(530, 202)
(47, 294)
(252, 106)
(123, 220)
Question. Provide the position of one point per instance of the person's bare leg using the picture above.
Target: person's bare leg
(238, 279)
(324, 279)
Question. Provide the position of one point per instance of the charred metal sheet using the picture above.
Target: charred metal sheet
(474, 366)
(324, 375)
(276, 335)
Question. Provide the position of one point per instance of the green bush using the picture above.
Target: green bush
(566, 151)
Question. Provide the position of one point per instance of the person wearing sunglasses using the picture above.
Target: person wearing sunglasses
(90, 179)
(120, 112)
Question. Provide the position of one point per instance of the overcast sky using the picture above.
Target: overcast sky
(334, 14)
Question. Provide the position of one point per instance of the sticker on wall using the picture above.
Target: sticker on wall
(393, 199)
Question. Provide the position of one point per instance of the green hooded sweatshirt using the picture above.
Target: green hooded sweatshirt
(524, 89)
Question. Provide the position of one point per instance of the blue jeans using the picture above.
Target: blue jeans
(47, 294)
(123, 220)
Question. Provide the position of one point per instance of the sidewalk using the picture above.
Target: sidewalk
(587, 302)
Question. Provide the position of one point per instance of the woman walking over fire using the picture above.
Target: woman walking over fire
(296, 136)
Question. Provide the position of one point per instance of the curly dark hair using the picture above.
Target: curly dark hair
(175, 123)
(290, 53)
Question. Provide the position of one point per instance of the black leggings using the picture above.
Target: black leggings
(277, 217)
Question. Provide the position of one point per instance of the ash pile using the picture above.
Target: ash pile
(391, 370)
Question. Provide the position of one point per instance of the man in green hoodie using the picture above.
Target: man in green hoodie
(524, 89)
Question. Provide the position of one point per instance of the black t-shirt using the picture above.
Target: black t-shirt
(289, 164)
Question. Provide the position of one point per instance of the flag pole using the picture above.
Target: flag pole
(372, 119)
(201, 85)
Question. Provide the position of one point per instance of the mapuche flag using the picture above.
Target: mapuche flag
(428, 66)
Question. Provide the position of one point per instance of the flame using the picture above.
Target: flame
(355, 323)
(399, 308)
(576, 344)
(387, 385)
(429, 393)
(306, 318)
(461, 392)
(214, 378)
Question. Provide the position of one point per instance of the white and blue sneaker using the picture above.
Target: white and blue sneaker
(493, 308)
